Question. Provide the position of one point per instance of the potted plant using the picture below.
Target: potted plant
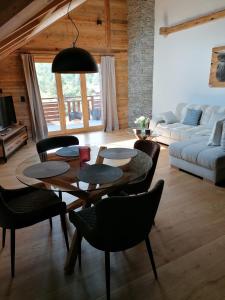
(143, 130)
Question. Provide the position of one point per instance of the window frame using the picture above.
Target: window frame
(61, 101)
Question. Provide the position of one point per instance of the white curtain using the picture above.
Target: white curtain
(108, 79)
(38, 122)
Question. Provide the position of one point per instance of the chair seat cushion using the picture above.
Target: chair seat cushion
(33, 201)
(32, 206)
(86, 223)
(88, 215)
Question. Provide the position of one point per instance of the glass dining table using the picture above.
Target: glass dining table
(86, 191)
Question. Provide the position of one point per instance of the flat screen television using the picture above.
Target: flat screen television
(7, 112)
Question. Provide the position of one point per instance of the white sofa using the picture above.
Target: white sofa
(169, 133)
(188, 148)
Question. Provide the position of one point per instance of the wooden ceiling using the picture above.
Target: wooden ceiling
(20, 21)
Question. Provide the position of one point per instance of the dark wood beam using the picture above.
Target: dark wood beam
(8, 9)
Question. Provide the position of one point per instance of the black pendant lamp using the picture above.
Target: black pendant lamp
(74, 60)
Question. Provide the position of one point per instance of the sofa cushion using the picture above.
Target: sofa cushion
(197, 152)
(208, 114)
(212, 158)
(179, 110)
(215, 137)
(215, 116)
(192, 117)
(179, 131)
(198, 131)
(169, 117)
(192, 106)
(176, 149)
(167, 129)
(223, 137)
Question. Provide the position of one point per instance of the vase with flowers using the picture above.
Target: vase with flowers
(143, 131)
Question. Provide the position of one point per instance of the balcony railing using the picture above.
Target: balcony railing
(72, 105)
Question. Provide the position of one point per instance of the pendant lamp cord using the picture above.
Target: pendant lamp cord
(75, 26)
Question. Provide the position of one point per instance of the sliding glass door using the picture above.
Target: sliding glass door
(94, 99)
(71, 102)
(73, 106)
(49, 96)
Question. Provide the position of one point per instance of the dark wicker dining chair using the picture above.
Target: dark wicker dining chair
(119, 223)
(55, 142)
(24, 207)
(152, 149)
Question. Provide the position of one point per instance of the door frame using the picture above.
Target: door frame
(86, 128)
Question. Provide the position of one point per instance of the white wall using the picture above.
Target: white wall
(182, 60)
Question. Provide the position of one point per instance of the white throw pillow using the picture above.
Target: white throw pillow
(223, 137)
(215, 137)
(169, 117)
(214, 118)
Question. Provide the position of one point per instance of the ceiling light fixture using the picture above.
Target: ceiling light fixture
(74, 60)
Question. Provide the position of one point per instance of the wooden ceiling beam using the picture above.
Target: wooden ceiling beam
(8, 9)
(194, 22)
(46, 17)
(57, 15)
(53, 5)
(22, 17)
(20, 34)
(8, 51)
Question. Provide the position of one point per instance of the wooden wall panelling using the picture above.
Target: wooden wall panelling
(122, 88)
(108, 40)
(12, 82)
(213, 81)
(119, 37)
(93, 38)
(61, 34)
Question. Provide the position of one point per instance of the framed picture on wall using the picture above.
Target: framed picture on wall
(217, 72)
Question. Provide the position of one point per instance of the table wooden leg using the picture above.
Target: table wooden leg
(72, 254)
(75, 244)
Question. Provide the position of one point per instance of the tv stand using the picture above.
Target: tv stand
(11, 139)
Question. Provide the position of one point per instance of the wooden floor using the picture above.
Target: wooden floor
(188, 242)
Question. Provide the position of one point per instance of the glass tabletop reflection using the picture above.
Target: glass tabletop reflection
(133, 169)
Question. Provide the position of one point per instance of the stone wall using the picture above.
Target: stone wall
(140, 58)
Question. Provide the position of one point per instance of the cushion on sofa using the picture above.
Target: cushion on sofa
(169, 117)
(223, 137)
(192, 117)
(215, 116)
(166, 129)
(176, 149)
(197, 152)
(179, 110)
(215, 137)
(192, 106)
(189, 132)
(209, 113)
(179, 131)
